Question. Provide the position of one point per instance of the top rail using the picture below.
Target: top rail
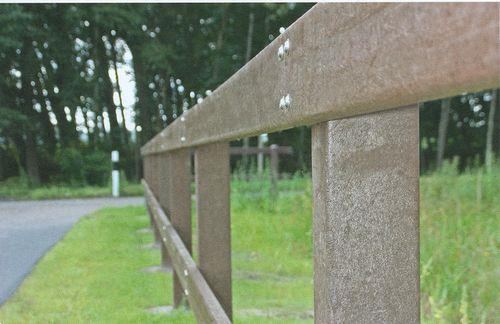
(346, 60)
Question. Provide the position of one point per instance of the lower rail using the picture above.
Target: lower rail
(202, 300)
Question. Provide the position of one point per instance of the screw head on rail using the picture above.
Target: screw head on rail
(183, 139)
(288, 101)
(183, 118)
(281, 53)
(185, 272)
(286, 46)
(282, 103)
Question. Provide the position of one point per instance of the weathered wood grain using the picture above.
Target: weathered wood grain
(212, 174)
(178, 205)
(257, 150)
(366, 218)
(202, 300)
(162, 179)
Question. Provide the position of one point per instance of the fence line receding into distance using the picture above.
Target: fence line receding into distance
(355, 73)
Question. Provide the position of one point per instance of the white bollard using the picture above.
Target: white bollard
(115, 174)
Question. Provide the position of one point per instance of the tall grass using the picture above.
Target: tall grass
(459, 224)
(459, 221)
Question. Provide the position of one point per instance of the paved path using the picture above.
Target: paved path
(28, 229)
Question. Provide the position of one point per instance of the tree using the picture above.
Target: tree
(488, 156)
(57, 95)
(443, 128)
(248, 54)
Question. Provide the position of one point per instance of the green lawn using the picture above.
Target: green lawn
(94, 274)
(16, 188)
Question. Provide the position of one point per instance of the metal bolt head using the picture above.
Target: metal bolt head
(182, 118)
(288, 101)
(186, 292)
(282, 103)
(185, 272)
(183, 139)
(281, 53)
(286, 46)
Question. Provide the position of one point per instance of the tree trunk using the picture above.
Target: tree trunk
(496, 128)
(32, 168)
(28, 68)
(119, 91)
(251, 23)
(488, 157)
(90, 135)
(96, 108)
(443, 128)
(165, 84)
(48, 132)
(260, 156)
(143, 105)
(219, 43)
(102, 66)
(248, 54)
(63, 78)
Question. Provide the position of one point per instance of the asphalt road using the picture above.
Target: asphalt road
(28, 229)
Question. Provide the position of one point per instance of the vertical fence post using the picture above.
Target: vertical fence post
(163, 177)
(212, 175)
(178, 205)
(152, 180)
(146, 165)
(274, 169)
(366, 221)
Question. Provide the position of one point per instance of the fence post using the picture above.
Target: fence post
(366, 218)
(163, 177)
(146, 165)
(212, 175)
(152, 179)
(178, 205)
(274, 169)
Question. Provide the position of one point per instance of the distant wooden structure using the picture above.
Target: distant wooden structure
(274, 151)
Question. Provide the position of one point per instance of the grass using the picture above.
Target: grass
(16, 188)
(94, 275)
(459, 222)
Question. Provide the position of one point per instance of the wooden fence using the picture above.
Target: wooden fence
(356, 73)
(274, 152)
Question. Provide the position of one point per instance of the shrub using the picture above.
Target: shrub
(96, 168)
(71, 165)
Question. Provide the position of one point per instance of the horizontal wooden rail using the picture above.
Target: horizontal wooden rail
(257, 150)
(345, 60)
(201, 298)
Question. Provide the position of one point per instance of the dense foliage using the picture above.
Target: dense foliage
(67, 72)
